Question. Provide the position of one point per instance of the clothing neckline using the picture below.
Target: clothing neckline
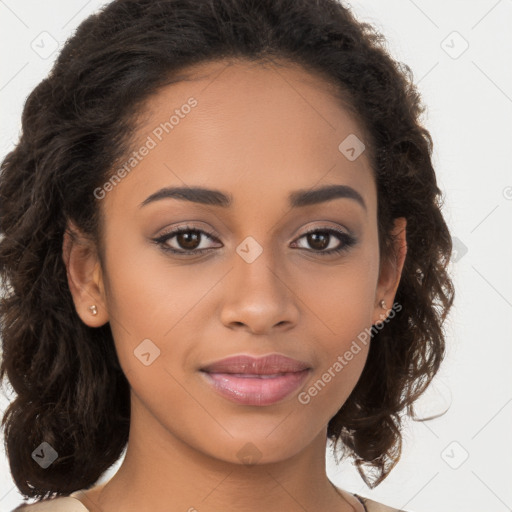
(345, 494)
(75, 494)
(361, 500)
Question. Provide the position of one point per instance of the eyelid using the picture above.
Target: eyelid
(346, 239)
(172, 232)
(325, 228)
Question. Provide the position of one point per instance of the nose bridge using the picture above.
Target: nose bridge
(257, 265)
(258, 296)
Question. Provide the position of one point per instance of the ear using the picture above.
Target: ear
(85, 278)
(391, 271)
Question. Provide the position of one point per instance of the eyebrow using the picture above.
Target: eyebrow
(296, 199)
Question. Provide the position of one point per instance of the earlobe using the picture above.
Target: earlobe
(85, 279)
(391, 271)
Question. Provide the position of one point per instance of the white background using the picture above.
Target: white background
(461, 461)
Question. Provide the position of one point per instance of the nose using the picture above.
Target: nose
(259, 296)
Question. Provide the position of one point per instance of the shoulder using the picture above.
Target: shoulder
(375, 506)
(61, 504)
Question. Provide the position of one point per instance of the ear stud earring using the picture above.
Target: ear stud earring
(93, 309)
(382, 304)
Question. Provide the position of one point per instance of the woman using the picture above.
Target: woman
(222, 246)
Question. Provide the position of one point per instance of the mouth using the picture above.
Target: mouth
(258, 381)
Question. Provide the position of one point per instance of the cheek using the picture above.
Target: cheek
(149, 295)
(341, 354)
(336, 376)
(339, 298)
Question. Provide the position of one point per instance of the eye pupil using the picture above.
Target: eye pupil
(313, 239)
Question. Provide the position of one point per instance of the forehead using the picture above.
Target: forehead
(250, 127)
(253, 96)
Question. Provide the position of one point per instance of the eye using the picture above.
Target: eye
(187, 238)
(322, 238)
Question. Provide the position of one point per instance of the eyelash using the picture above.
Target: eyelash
(348, 240)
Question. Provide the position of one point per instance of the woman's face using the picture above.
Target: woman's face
(259, 136)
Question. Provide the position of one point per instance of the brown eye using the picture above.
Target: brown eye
(320, 239)
(185, 240)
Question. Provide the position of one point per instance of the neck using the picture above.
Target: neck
(162, 472)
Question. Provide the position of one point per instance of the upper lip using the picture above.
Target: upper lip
(266, 365)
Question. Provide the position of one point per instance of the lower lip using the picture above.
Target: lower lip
(253, 390)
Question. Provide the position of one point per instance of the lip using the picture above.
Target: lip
(252, 380)
(263, 365)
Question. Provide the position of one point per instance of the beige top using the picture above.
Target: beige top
(61, 504)
(71, 503)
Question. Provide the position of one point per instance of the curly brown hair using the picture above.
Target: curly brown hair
(77, 123)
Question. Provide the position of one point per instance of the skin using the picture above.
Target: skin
(258, 132)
